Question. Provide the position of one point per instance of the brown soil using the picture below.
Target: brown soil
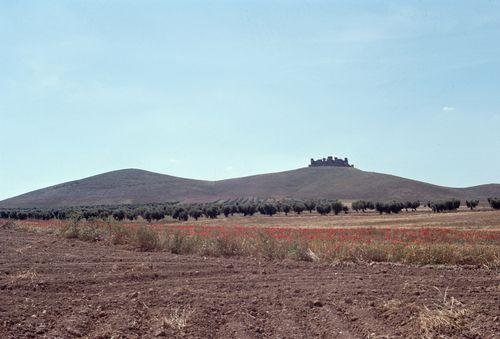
(55, 287)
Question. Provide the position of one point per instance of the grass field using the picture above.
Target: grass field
(458, 238)
(463, 219)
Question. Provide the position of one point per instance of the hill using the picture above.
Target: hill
(138, 186)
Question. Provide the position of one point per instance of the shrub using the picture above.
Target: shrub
(89, 233)
(227, 246)
(310, 205)
(494, 203)
(269, 247)
(362, 205)
(446, 205)
(298, 207)
(131, 215)
(268, 209)
(176, 214)
(147, 239)
(119, 235)
(175, 245)
(323, 209)
(183, 216)
(249, 209)
(211, 212)
(337, 207)
(119, 215)
(226, 210)
(157, 214)
(85, 232)
(391, 207)
(472, 203)
(196, 214)
(412, 204)
(70, 230)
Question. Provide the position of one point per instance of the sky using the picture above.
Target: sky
(221, 89)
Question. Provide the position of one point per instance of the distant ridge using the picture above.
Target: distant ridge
(129, 186)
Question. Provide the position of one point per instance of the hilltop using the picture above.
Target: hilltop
(129, 186)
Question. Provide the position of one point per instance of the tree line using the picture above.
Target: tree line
(247, 207)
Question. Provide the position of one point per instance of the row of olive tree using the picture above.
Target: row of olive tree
(389, 207)
(385, 207)
(182, 212)
(444, 205)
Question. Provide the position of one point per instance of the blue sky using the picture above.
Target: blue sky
(232, 88)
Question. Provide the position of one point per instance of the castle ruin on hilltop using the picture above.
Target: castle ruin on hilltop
(331, 162)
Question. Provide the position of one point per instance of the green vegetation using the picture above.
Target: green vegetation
(412, 205)
(299, 207)
(324, 209)
(390, 207)
(362, 205)
(337, 207)
(85, 232)
(268, 209)
(286, 209)
(494, 203)
(245, 207)
(472, 203)
(446, 205)
(310, 205)
(439, 246)
(147, 239)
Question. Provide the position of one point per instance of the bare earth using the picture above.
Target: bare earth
(56, 287)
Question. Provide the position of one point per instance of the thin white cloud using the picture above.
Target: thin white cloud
(448, 108)
(229, 168)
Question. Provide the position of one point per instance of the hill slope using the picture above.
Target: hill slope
(138, 186)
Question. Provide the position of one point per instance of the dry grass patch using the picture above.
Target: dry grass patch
(446, 318)
(439, 246)
(400, 313)
(28, 275)
(22, 249)
(178, 319)
(9, 225)
(88, 231)
(119, 235)
(147, 239)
